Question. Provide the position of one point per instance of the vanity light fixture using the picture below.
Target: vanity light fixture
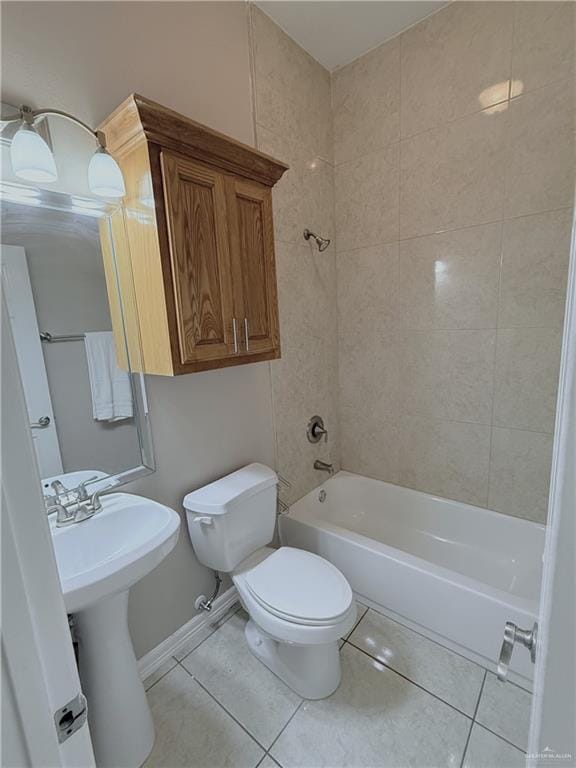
(32, 158)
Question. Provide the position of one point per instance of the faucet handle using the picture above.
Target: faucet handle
(316, 430)
(80, 489)
(64, 516)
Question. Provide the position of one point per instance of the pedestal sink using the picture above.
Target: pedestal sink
(98, 561)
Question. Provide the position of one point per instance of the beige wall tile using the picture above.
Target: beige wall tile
(307, 292)
(453, 176)
(535, 255)
(543, 44)
(369, 444)
(443, 189)
(450, 280)
(303, 384)
(286, 193)
(447, 374)
(447, 458)
(520, 473)
(304, 196)
(294, 123)
(526, 378)
(292, 90)
(366, 103)
(367, 291)
(367, 199)
(454, 63)
(369, 373)
(540, 165)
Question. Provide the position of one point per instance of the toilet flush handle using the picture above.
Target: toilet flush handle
(203, 520)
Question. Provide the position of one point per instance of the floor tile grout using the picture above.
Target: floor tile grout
(481, 725)
(233, 610)
(220, 623)
(404, 677)
(499, 736)
(223, 621)
(445, 647)
(161, 676)
(415, 631)
(473, 718)
(292, 716)
(254, 739)
(366, 609)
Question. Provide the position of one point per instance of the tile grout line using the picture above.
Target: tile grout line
(447, 230)
(499, 736)
(409, 629)
(487, 670)
(232, 611)
(509, 100)
(223, 619)
(495, 354)
(366, 609)
(292, 716)
(413, 682)
(254, 739)
(481, 725)
(473, 719)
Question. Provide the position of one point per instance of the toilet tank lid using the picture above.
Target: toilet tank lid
(218, 497)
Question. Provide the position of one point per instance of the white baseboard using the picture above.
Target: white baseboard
(190, 634)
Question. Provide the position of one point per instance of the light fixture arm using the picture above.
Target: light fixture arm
(28, 115)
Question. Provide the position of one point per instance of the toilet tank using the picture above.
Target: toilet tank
(232, 517)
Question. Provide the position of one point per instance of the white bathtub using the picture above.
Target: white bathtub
(453, 572)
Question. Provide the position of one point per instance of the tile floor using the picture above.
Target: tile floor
(403, 701)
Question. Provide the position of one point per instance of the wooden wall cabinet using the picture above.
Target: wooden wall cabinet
(200, 242)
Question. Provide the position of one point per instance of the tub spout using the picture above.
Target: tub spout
(323, 467)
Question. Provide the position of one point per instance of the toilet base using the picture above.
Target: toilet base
(312, 671)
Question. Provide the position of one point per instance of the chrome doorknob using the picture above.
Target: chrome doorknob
(513, 634)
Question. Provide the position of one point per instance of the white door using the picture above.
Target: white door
(553, 726)
(22, 312)
(39, 673)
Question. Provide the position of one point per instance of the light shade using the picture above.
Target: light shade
(31, 156)
(104, 175)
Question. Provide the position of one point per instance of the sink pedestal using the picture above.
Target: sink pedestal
(118, 713)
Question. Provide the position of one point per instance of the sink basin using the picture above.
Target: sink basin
(98, 561)
(111, 551)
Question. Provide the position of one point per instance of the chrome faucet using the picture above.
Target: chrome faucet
(74, 505)
(323, 467)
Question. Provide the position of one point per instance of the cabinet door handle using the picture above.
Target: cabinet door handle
(235, 335)
(246, 334)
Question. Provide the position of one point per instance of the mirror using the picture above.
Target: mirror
(87, 409)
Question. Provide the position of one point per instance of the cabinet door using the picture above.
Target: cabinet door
(253, 267)
(195, 202)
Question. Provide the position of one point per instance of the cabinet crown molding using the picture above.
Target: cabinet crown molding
(140, 119)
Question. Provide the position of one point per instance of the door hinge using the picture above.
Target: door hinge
(71, 717)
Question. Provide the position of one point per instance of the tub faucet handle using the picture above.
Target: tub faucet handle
(513, 634)
(316, 430)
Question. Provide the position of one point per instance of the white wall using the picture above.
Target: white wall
(193, 57)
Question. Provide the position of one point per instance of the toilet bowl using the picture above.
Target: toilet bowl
(299, 604)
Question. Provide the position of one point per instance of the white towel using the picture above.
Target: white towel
(111, 390)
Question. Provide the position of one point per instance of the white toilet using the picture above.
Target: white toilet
(299, 604)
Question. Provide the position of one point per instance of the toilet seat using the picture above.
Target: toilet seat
(300, 587)
(273, 611)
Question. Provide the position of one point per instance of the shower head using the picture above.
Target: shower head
(321, 242)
